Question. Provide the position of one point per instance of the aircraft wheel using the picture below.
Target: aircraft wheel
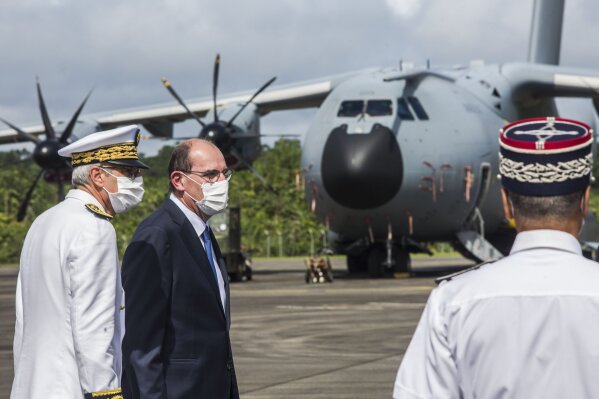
(357, 263)
(376, 257)
(403, 262)
(235, 276)
(248, 273)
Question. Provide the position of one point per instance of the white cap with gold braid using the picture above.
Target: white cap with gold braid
(116, 146)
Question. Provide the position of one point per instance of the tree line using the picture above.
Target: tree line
(280, 218)
(278, 222)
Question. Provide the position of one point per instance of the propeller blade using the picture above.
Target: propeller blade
(171, 90)
(260, 90)
(215, 84)
(236, 154)
(22, 134)
(47, 124)
(25, 202)
(70, 127)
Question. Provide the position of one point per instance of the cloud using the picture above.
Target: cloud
(404, 8)
(124, 47)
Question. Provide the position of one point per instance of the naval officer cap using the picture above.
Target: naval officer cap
(545, 156)
(116, 146)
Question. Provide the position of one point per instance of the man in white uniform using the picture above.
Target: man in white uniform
(525, 326)
(67, 333)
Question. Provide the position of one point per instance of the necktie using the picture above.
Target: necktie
(208, 248)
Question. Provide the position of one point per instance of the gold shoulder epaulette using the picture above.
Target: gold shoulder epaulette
(111, 394)
(449, 277)
(98, 211)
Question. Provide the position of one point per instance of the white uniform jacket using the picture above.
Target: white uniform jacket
(68, 299)
(526, 326)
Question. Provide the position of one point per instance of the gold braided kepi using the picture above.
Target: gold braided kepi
(116, 146)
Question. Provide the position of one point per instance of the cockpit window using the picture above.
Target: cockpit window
(403, 111)
(418, 108)
(379, 108)
(351, 108)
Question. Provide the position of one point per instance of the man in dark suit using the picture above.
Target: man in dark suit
(177, 307)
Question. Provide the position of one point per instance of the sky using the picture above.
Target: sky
(121, 48)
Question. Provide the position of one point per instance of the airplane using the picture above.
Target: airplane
(402, 156)
(235, 129)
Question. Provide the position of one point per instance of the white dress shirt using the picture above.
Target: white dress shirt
(526, 326)
(68, 301)
(199, 226)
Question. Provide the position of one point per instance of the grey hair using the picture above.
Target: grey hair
(80, 174)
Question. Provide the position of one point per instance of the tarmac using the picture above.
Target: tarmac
(295, 340)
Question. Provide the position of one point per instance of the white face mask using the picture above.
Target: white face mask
(128, 195)
(216, 196)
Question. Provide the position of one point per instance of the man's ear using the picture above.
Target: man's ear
(176, 178)
(585, 201)
(96, 177)
(508, 210)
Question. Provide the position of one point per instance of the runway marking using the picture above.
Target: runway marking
(321, 373)
(365, 306)
(341, 291)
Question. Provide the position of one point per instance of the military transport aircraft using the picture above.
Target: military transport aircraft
(394, 157)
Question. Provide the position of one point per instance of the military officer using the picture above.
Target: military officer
(525, 326)
(69, 296)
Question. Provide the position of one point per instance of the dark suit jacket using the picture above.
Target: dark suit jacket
(176, 342)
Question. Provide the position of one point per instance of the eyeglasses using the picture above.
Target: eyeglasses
(131, 173)
(211, 175)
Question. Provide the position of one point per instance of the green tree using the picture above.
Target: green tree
(264, 212)
(280, 213)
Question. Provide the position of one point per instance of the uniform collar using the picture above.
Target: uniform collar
(84, 197)
(198, 224)
(550, 239)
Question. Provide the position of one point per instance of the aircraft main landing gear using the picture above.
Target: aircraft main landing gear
(357, 263)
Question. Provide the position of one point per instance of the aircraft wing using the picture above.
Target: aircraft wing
(8, 136)
(530, 81)
(159, 119)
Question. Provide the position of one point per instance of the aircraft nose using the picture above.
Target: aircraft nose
(362, 171)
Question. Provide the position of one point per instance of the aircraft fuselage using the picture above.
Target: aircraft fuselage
(415, 157)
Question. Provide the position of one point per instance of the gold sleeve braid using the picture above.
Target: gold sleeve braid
(111, 394)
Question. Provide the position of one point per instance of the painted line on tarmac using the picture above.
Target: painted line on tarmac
(347, 306)
(341, 291)
(310, 376)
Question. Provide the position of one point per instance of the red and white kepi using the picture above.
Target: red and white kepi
(545, 156)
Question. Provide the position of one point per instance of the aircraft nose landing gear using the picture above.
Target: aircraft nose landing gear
(386, 259)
